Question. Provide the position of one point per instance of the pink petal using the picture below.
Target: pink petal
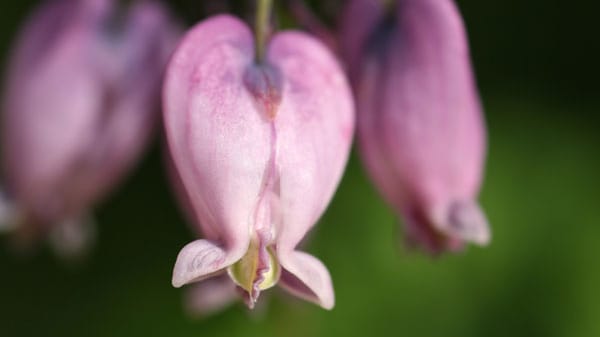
(201, 259)
(315, 126)
(220, 148)
(306, 277)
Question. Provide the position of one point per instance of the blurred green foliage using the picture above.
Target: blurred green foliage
(539, 277)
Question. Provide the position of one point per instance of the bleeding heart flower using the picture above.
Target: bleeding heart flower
(260, 146)
(420, 126)
(82, 99)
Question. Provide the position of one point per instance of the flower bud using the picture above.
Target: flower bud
(420, 126)
(81, 101)
(260, 147)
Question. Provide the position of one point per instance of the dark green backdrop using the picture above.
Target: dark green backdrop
(537, 71)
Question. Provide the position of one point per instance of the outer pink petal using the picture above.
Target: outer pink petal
(306, 277)
(200, 259)
(219, 143)
(315, 126)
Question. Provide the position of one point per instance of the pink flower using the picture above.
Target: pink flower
(420, 126)
(81, 102)
(260, 148)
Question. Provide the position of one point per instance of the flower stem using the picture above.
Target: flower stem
(261, 28)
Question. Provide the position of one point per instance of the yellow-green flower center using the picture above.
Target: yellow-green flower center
(245, 272)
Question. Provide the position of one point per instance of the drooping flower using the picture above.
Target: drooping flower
(81, 101)
(420, 126)
(260, 146)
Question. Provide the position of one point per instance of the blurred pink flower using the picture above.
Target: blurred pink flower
(210, 296)
(81, 102)
(260, 148)
(420, 126)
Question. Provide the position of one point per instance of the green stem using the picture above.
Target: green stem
(261, 29)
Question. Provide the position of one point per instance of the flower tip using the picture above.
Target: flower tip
(466, 220)
(257, 270)
(249, 300)
(176, 281)
(328, 304)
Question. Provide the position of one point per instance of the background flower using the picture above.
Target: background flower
(81, 101)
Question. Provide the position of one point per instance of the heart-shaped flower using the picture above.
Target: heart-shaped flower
(260, 147)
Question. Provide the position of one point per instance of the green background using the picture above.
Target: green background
(537, 71)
